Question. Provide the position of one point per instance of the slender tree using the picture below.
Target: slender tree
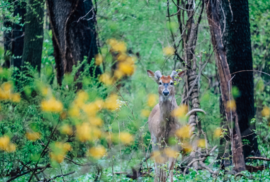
(237, 43)
(18, 34)
(74, 34)
(33, 38)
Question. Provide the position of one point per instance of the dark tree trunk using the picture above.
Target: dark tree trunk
(74, 35)
(237, 43)
(212, 9)
(18, 35)
(7, 42)
(33, 38)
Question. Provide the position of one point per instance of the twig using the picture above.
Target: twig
(259, 158)
(61, 175)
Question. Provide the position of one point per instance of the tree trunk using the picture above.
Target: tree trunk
(74, 35)
(237, 42)
(33, 38)
(7, 42)
(18, 35)
(212, 7)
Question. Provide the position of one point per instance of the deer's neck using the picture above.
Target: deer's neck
(166, 108)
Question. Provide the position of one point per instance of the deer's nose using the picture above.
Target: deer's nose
(166, 93)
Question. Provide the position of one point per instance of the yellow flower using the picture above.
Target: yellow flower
(33, 136)
(152, 100)
(16, 97)
(67, 147)
(186, 148)
(11, 148)
(218, 132)
(119, 47)
(118, 74)
(168, 51)
(184, 132)
(90, 109)
(81, 97)
(181, 111)
(157, 157)
(171, 153)
(126, 68)
(97, 152)
(111, 102)
(231, 105)
(58, 157)
(45, 91)
(112, 42)
(121, 57)
(145, 113)
(98, 59)
(51, 105)
(85, 132)
(95, 121)
(74, 111)
(106, 79)
(66, 129)
(266, 112)
(201, 143)
(125, 137)
(99, 103)
(4, 142)
(5, 94)
(6, 86)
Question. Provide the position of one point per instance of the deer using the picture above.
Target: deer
(162, 125)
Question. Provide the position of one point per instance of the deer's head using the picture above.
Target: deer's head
(166, 83)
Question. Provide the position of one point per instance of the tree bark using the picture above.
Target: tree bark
(237, 42)
(18, 35)
(74, 34)
(33, 38)
(212, 7)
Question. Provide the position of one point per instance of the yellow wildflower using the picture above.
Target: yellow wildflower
(58, 157)
(81, 98)
(152, 100)
(111, 102)
(33, 136)
(218, 132)
(45, 91)
(231, 105)
(119, 47)
(181, 111)
(126, 68)
(266, 112)
(51, 105)
(106, 79)
(156, 155)
(112, 42)
(16, 97)
(118, 74)
(85, 132)
(4, 142)
(184, 132)
(5, 94)
(90, 109)
(125, 138)
(74, 111)
(97, 152)
(186, 148)
(11, 148)
(95, 121)
(121, 57)
(66, 129)
(67, 147)
(6, 86)
(99, 103)
(168, 51)
(145, 113)
(98, 59)
(201, 143)
(171, 153)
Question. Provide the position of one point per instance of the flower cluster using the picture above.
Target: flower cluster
(59, 151)
(7, 94)
(6, 145)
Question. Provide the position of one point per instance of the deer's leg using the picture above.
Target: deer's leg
(171, 167)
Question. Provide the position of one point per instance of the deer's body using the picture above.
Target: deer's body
(162, 125)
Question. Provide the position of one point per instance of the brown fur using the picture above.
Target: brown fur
(166, 79)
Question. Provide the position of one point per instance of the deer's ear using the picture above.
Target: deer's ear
(174, 74)
(155, 76)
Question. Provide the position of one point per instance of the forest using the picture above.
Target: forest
(134, 90)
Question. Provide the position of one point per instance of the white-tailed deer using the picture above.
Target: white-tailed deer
(162, 125)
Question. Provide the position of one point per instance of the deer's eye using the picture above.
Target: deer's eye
(160, 83)
(172, 83)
